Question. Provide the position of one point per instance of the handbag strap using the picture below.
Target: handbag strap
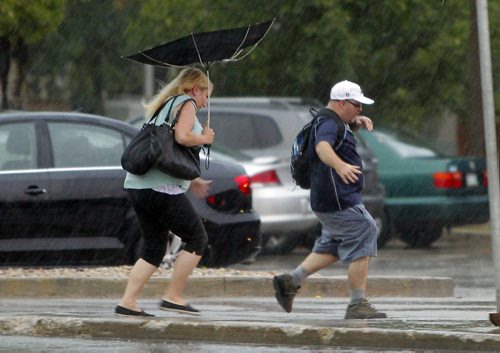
(207, 154)
(157, 112)
(179, 112)
(167, 119)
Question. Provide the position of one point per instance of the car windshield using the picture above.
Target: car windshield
(405, 144)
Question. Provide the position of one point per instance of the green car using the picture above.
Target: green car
(425, 190)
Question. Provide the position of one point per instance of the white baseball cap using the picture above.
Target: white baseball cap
(349, 90)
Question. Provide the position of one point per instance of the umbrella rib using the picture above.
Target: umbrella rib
(238, 50)
(235, 58)
(161, 62)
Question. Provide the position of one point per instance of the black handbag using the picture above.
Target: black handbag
(155, 147)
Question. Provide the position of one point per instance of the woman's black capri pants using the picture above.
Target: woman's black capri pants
(159, 213)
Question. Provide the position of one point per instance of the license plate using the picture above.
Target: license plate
(471, 179)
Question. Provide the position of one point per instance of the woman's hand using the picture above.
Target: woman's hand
(208, 134)
(199, 187)
(183, 129)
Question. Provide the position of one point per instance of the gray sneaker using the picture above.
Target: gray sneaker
(363, 310)
(285, 291)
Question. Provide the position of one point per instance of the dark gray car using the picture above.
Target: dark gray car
(62, 199)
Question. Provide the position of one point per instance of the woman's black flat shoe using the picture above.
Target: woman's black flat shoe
(121, 311)
(183, 309)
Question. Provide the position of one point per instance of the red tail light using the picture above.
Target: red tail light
(268, 177)
(448, 180)
(211, 200)
(485, 178)
(244, 184)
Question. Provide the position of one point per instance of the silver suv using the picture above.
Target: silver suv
(264, 128)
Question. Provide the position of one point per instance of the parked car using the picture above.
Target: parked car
(282, 208)
(427, 190)
(62, 198)
(264, 128)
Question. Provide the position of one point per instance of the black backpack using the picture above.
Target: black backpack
(302, 148)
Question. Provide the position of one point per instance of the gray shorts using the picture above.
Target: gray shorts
(349, 234)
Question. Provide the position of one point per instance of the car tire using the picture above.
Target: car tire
(273, 244)
(384, 231)
(420, 235)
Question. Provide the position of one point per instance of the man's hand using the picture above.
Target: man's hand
(362, 121)
(199, 187)
(348, 173)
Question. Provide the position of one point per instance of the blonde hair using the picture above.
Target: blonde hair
(184, 82)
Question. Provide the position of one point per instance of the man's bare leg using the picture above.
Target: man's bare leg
(357, 276)
(315, 262)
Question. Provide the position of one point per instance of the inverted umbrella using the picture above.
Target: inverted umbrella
(205, 48)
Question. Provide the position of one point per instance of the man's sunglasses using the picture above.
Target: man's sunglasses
(356, 104)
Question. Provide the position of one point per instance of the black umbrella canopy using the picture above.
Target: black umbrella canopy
(205, 48)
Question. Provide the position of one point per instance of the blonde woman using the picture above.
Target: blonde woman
(160, 202)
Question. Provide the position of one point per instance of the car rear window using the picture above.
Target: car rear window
(243, 131)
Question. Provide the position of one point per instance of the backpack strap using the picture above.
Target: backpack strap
(325, 112)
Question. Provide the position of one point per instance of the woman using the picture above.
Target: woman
(160, 202)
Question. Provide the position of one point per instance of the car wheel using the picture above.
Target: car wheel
(279, 244)
(419, 235)
(384, 233)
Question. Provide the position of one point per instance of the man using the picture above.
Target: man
(349, 233)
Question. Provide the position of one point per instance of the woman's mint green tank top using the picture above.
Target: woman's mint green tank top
(154, 178)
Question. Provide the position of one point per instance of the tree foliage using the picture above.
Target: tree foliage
(410, 55)
(23, 23)
(30, 20)
(84, 54)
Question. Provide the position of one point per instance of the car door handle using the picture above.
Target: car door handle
(34, 190)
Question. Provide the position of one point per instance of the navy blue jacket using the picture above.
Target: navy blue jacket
(328, 192)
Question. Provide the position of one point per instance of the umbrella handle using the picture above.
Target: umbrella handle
(209, 94)
(208, 114)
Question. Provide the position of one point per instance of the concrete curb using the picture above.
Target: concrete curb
(222, 286)
(241, 332)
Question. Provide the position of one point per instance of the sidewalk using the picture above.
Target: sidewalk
(423, 314)
(414, 323)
